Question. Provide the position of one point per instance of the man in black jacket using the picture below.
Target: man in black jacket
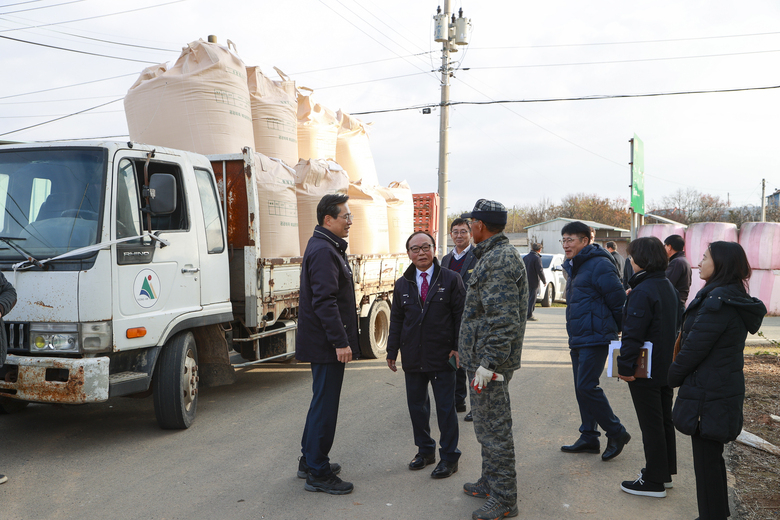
(7, 302)
(679, 270)
(533, 265)
(327, 338)
(461, 260)
(424, 324)
(621, 262)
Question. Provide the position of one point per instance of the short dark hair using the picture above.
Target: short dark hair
(460, 222)
(493, 228)
(731, 265)
(676, 242)
(433, 241)
(649, 254)
(536, 247)
(576, 228)
(329, 205)
(611, 245)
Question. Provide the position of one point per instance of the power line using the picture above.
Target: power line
(41, 7)
(372, 80)
(93, 17)
(60, 118)
(69, 86)
(93, 98)
(359, 64)
(22, 3)
(620, 61)
(628, 42)
(582, 98)
(77, 51)
(56, 115)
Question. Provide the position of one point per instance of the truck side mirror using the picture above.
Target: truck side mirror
(162, 194)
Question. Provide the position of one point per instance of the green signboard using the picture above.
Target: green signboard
(637, 175)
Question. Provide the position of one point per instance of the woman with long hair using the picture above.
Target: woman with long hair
(650, 315)
(708, 369)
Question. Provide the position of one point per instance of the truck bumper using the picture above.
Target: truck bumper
(45, 380)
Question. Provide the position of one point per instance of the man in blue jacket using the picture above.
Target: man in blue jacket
(327, 338)
(594, 313)
(424, 324)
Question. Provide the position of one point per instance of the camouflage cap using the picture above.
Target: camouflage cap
(489, 211)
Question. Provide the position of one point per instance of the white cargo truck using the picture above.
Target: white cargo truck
(139, 271)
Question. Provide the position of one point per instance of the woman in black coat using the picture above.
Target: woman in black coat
(708, 369)
(650, 315)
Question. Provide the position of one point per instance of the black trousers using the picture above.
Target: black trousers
(532, 299)
(653, 405)
(320, 429)
(461, 386)
(443, 385)
(712, 492)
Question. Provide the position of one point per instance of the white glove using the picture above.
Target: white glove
(482, 377)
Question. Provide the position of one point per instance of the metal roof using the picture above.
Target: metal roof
(594, 225)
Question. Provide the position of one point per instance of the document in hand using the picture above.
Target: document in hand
(644, 361)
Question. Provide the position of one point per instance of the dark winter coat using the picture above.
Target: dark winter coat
(679, 273)
(327, 311)
(628, 272)
(427, 332)
(650, 314)
(708, 368)
(619, 260)
(468, 264)
(7, 302)
(594, 298)
(533, 266)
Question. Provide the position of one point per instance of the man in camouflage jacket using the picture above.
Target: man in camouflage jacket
(490, 344)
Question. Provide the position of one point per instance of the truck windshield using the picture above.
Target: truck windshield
(51, 200)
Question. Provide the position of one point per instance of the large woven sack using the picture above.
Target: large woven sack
(400, 214)
(278, 208)
(765, 285)
(368, 234)
(353, 150)
(314, 179)
(318, 128)
(274, 115)
(201, 104)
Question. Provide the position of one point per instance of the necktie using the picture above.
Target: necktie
(424, 286)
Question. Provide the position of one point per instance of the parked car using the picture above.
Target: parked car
(555, 289)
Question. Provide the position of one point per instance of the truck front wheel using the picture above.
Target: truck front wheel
(176, 383)
(11, 405)
(374, 330)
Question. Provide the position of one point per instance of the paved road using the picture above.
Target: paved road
(238, 460)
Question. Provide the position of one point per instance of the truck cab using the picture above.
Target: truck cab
(106, 245)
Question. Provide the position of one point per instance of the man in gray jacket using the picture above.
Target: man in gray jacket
(490, 344)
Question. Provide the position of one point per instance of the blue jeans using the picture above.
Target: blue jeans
(587, 363)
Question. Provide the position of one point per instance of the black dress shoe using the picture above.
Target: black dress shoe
(615, 446)
(445, 469)
(460, 407)
(468, 418)
(421, 460)
(582, 447)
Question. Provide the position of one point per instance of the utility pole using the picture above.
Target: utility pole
(450, 34)
(763, 200)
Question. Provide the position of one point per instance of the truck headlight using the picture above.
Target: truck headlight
(96, 336)
(57, 337)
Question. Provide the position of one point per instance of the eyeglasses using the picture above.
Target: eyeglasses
(424, 249)
(459, 232)
(569, 241)
(346, 216)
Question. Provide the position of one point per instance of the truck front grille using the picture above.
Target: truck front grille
(18, 335)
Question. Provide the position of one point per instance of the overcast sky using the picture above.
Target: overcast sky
(352, 52)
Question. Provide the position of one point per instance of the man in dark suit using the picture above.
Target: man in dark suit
(621, 262)
(533, 265)
(424, 324)
(679, 270)
(327, 338)
(461, 260)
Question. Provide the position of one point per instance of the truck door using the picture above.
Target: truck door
(155, 284)
(211, 242)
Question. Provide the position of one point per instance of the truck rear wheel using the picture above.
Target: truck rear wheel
(374, 330)
(12, 405)
(176, 383)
